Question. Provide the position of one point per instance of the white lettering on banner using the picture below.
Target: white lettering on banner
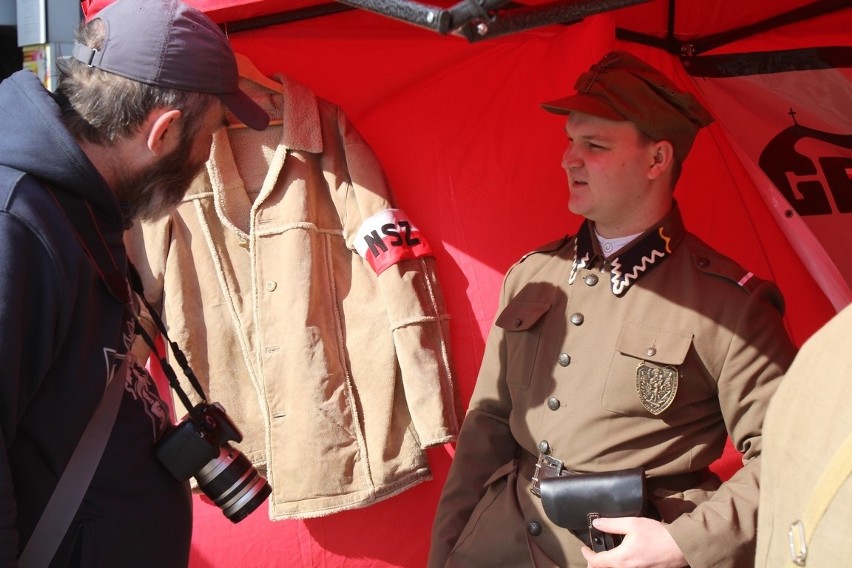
(389, 237)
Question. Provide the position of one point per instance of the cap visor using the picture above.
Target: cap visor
(583, 103)
(246, 110)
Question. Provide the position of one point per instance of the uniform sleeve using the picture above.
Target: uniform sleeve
(484, 445)
(414, 302)
(29, 327)
(758, 356)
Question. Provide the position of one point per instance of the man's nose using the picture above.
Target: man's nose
(570, 159)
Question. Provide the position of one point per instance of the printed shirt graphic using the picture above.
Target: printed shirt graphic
(139, 382)
(389, 237)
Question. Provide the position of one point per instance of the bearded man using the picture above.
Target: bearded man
(129, 126)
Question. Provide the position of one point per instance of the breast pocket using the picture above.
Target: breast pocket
(646, 370)
(522, 321)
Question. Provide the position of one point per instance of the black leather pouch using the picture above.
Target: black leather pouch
(575, 500)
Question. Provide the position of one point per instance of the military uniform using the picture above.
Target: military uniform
(805, 485)
(649, 358)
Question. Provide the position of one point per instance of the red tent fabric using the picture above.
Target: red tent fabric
(476, 163)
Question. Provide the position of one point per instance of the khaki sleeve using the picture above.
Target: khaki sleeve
(757, 358)
(485, 444)
(147, 247)
(413, 299)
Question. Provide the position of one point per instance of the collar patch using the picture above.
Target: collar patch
(632, 262)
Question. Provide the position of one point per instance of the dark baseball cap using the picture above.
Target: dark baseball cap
(623, 87)
(170, 44)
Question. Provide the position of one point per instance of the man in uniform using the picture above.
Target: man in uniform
(631, 344)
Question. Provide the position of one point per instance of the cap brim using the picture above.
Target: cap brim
(245, 109)
(587, 104)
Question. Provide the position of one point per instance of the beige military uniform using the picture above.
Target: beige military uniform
(806, 490)
(565, 372)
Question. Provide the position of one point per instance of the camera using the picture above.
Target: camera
(198, 446)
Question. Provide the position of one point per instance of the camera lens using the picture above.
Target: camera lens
(233, 484)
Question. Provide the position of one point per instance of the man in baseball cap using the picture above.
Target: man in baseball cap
(630, 346)
(167, 43)
(129, 127)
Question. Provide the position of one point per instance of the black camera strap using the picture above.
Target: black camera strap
(180, 357)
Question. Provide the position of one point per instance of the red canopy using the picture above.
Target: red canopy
(476, 163)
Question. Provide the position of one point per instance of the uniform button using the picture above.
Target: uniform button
(544, 447)
(553, 403)
(564, 359)
(534, 528)
(591, 279)
(244, 243)
(651, 351)
(518, 322)
(270, 285)
(703, 261)
(577, 319)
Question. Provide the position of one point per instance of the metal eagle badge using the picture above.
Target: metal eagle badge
(656, 386)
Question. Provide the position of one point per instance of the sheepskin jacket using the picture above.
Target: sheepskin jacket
(334, 364)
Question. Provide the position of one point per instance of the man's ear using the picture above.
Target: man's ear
(662, 158)
(163, 130)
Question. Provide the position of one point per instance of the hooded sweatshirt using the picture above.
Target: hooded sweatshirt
(65, 326)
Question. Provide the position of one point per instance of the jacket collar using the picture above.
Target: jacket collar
(294, 110)
(636, 259)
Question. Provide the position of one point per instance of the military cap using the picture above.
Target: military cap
(623, 87)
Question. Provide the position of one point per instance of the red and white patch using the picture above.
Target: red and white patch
(389, 237)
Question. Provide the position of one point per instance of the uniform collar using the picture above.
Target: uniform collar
(636, 259)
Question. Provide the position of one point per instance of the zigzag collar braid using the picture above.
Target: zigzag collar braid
(633, 261)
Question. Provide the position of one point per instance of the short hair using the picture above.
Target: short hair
(102, 107)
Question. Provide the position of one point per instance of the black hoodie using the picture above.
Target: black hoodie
(62, 332)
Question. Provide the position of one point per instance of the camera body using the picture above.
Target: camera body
(194, 442)
(198, 447)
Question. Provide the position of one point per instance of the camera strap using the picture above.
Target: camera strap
(136, 284)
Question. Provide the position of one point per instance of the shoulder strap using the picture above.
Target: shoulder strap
(66, 498)
(829, 483)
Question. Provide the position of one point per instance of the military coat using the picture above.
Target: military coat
(569, 370)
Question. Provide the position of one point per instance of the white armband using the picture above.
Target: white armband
(389, 237)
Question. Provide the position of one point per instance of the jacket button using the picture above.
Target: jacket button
(651, 351)
(553, 403)
(591, 279)
(577, 318)
(534, 528)
(564, 359)
(703, 262)
(270, 285)
(544, 447)
(518, 322)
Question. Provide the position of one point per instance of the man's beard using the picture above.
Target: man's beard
(154, 191)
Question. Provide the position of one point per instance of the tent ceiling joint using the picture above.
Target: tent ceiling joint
(482, 19)
(477, 20)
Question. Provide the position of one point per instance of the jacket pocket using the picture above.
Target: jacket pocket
(646, 370)
(520, 320)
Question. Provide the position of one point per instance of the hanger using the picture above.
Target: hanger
(247, 70)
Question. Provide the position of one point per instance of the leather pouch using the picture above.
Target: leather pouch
(575, 500)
